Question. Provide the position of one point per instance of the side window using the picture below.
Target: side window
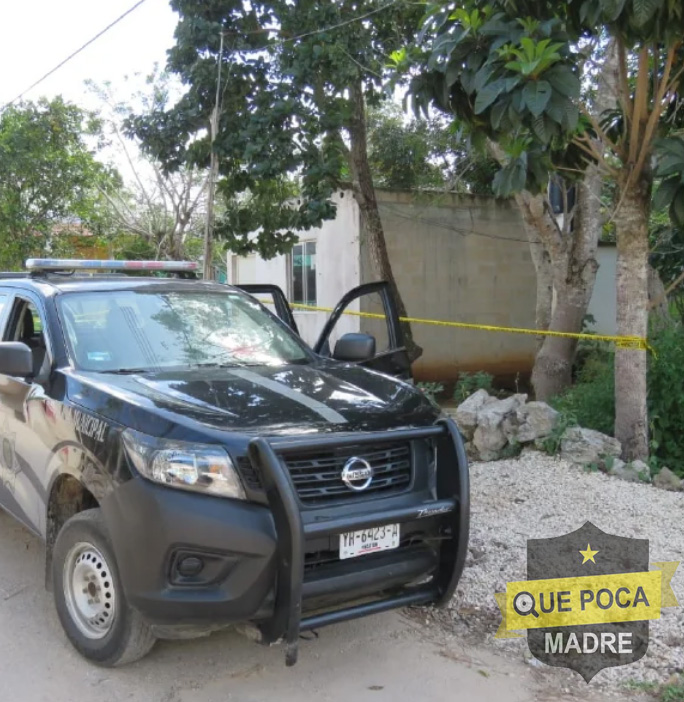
(26, 325)
(304, 273)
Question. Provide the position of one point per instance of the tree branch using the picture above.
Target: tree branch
(640, 104)
(605, 139)
(589, 147)
(655, 113)
(625, 99)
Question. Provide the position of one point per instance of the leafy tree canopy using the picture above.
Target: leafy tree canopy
(510, 70)
(424, 154)
(48, 175)
(286, 71)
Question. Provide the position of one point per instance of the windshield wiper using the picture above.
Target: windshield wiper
(129, 371)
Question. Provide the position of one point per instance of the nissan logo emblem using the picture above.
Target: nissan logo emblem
(357, 473)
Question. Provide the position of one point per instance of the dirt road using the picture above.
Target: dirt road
(385, 658)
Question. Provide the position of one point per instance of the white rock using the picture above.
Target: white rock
(466, 413)
(530, 422)
(585, 446)
(489, 437)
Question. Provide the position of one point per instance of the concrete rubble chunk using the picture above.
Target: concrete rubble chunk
(667, 480)
(586, 446)
(489, 437)
(535, 420)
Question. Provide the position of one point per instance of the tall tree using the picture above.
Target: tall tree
(297, 79)
(512, 67)
(424, 154)
(49, 176)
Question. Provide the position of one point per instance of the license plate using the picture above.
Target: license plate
(359, 543)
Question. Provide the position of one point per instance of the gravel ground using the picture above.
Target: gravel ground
(537, 496)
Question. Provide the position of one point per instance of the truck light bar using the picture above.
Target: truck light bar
(67, 264)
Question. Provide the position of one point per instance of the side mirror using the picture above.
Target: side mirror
(354, 347)
(15, 359)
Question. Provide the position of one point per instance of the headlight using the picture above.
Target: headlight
(198, 467)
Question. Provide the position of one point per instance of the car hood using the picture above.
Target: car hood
(325, 396)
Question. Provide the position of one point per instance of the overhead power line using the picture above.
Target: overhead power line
(285, 40)
(73, 55)
(344, 23)
(313, 32)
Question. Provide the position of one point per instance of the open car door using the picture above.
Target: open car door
(379, 344)
(273, 294)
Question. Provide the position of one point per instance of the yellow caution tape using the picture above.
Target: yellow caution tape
(623, 342)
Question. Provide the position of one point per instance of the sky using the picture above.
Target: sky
(35, 36)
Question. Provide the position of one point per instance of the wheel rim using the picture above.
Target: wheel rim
(89, 591)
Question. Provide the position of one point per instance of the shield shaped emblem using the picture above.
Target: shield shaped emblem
(587, 551)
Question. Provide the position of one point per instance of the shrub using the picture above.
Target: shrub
(431, 390)
(666, 398)
(591, 401)
(552, 443)
(468, 383)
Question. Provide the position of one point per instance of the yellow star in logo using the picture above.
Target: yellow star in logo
(588, 554)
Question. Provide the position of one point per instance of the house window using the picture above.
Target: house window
(304, 273)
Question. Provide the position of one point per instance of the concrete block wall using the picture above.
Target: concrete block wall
(460, 258)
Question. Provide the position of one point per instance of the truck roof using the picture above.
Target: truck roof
(53, 284)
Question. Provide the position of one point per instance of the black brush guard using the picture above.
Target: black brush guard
(453, 494)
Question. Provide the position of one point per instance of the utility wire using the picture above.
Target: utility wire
(322, 30)
(73, 55)
(284, 40)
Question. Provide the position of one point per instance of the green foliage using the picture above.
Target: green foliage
(641, 685)
(509, 78)
(511, 450)
(551, 444)
(286, 105)
(591, 400)
(511, 72)
(468, 383)
(670, 193)
(424, 154)
(665, 393)
(49, 177)
(431, 390)
(672, 691)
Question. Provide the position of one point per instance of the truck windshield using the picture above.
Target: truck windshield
(131, 330)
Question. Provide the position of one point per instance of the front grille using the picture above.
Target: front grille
(317, 475)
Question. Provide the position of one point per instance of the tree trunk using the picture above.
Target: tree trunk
(364, 194)
(574, 274)
(567, 276)
(631, 224)
(535, 219)
(542, 265)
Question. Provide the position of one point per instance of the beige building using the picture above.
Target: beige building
(455, 257)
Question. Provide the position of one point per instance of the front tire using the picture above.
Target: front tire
(89, 597)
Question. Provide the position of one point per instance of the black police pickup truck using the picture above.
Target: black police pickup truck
(190, 463)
